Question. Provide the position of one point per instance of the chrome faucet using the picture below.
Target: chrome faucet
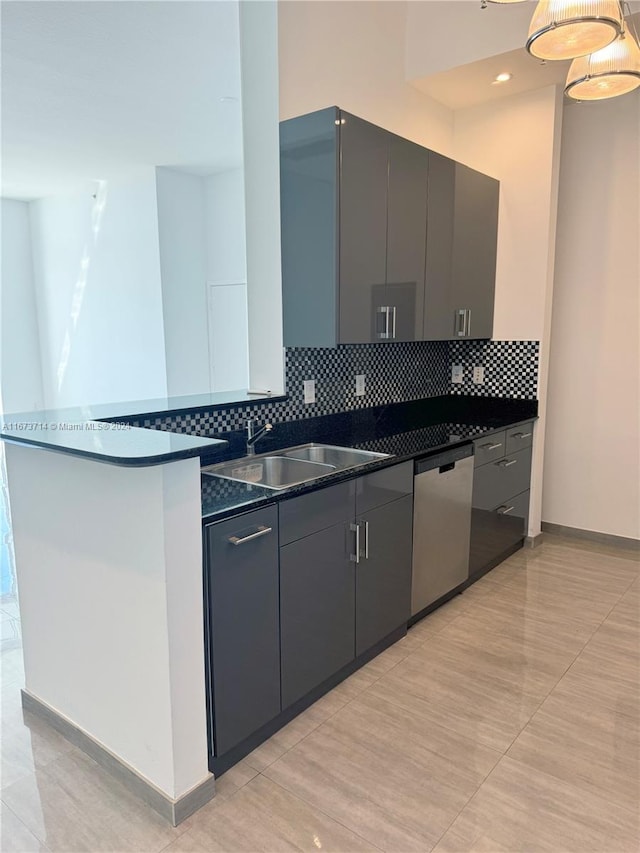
(254, 435)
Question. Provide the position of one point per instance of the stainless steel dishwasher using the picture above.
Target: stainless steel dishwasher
(443, 488)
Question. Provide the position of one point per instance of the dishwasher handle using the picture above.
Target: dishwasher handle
(443, 461)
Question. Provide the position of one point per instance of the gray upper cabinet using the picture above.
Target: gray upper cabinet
(462, 233)
(353, 218)
(364, 158)
(382, 240)
(309, 214)
(406, 228)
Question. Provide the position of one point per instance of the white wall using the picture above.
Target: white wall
(513, 139)
(592, 465)
(97, 283)
(112, 624)
(225, 226)
(20, 370)
(259, 63)
(464, 33)
(352, 55)
(517, 140)
(226, 280)
(183, 260)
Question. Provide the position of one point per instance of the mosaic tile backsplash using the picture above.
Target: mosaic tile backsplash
(510, 368)
(395, 373)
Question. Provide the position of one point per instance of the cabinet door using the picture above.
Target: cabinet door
(495, 531)
(475, 238)
(438, 307)
(309, 228)
(406, 234)
(244, 614)
(383, 574)
(364, 158)
(317, 607)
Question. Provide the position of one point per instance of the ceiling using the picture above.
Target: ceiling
(90, 89)
(472, 83)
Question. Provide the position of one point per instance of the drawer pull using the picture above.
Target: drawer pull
(240, 540)
(522, 434)
(505, 510)
(491, 446)
(505, 463)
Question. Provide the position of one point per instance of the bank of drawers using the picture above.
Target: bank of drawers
(500, 495)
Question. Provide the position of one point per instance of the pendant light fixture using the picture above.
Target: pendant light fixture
(612, 71)
(566, 29)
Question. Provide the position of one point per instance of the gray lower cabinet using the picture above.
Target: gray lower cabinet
(242, 596)
(383, 572)
(345, 585)
(317, 600)
(500, 497)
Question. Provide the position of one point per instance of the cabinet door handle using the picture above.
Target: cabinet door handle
(240, 540)
(491, 446)
(522, 434)
(505, 463)
(366, 540)
(505, 510)
(386, 311)
(459, 322)
(354, 527)
(467, 322)
(393, 322)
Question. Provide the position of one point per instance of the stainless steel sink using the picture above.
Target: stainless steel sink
(327, 454)
(272, 472)
(292, 465)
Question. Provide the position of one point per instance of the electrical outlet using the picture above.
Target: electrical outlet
(478, 375)
(309, 390)
(360, 385)
(457, 374)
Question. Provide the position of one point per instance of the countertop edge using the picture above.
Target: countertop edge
(143, 460)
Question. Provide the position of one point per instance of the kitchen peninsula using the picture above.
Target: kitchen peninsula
(108, 530)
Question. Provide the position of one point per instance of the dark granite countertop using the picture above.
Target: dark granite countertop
(67, 431)
(406, 431)
(93, 431)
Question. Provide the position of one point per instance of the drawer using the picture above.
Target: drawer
(519, 437)
(382, 487)
(496, 531)
(516, 509)
(496, 482)
(316, 511)
(488, 448)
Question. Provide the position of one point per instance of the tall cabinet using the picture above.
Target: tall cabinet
(382, 239)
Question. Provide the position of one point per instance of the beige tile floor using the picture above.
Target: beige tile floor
(506, 721)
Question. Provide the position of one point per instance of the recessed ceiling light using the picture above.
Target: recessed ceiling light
(503, 77)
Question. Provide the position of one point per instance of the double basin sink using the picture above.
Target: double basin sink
(293, 465)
